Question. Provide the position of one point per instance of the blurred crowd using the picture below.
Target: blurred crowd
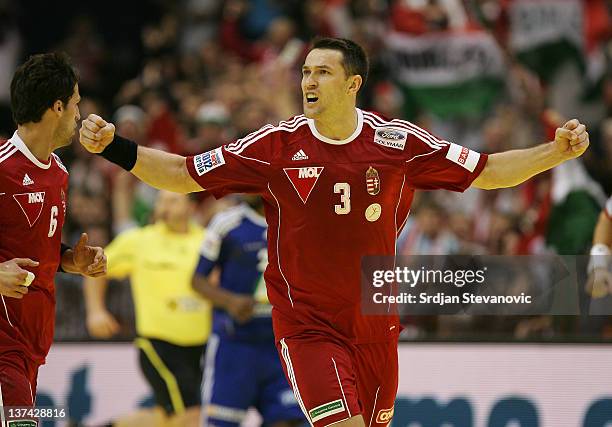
(187, 76)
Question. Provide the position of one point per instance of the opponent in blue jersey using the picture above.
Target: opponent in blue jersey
(242, 367)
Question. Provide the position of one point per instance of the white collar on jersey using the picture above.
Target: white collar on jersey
(253, 215)
(315, 132)
(18, 142)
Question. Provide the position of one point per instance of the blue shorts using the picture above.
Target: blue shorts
(239, 375)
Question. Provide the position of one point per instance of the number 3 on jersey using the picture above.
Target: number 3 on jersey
(344, 189)
(53, 221)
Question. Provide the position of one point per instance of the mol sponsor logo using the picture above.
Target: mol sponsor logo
(304, 179)
(36, 197)
(31, 204)
(309, 172)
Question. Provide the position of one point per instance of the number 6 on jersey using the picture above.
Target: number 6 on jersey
(53, 222)
(344, 189)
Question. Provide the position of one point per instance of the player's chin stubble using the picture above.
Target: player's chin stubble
(67, 140)
(310, 112)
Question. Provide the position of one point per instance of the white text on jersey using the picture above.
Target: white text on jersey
(36, 197)
(308, 173)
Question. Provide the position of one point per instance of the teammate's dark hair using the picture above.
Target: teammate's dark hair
(355, 60)
(38, 83)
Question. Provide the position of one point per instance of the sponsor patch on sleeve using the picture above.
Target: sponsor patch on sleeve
(391, 137)
(206, 162)
(385, 416)
(463, 156)
(326, 410)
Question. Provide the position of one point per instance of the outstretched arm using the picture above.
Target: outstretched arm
(513, 167)
(155, 167)
(165, 171)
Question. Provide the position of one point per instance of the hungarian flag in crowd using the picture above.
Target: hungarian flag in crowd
(545, 34)
(455, 73)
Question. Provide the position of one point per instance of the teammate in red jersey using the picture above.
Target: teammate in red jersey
(337, 183)
(33, 188)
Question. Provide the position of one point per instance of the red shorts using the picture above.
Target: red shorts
(17, 380)
(334, 381)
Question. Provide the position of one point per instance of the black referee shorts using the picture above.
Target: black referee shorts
(173, 371)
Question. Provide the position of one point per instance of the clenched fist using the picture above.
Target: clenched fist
(96, 133)
(101, 324)
(572, 139)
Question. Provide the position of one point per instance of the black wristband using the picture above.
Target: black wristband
(122, 152)
(63, 249)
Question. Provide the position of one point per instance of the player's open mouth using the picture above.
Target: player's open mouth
(311, 99)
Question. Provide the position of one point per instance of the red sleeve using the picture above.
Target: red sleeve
(240, 167)
(434, 164)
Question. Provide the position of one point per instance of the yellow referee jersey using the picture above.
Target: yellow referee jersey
(160, 265)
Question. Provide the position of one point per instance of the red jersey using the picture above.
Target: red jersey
(32, 211)
(327, 204)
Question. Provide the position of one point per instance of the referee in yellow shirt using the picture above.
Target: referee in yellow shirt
(172, 321)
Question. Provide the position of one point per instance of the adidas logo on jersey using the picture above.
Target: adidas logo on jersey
(27, 180)
(300, 155)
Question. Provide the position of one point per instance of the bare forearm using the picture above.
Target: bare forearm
(219, 297)
(163, 170)
(122, 198)
(157, 168)
(94, 291)
(603, 231)
(513, 167)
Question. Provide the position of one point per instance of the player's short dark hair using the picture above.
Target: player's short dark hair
(38, 83)
(354, 59)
